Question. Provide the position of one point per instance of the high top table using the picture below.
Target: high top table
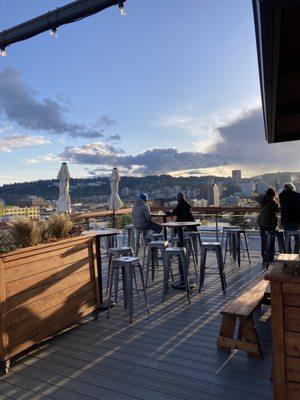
(180, 226)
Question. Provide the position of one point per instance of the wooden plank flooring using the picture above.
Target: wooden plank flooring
(168, 355)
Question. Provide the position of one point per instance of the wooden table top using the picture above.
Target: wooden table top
(103, 232)
(182, 224)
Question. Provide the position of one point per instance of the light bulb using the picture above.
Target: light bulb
(122, 9)
(53, 33)
(3, 52)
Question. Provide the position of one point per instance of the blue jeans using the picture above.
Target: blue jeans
(267, 253)
(292, 226)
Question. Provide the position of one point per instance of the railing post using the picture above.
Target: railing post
(87, 223)
(217, 228)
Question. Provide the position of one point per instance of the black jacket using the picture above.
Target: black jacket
(183, 212)
(267, 217)
(290, 206)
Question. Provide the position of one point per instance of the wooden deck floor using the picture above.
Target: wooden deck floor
(167, 355)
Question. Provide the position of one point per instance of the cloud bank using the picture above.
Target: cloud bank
(20, 105)
(238, 141)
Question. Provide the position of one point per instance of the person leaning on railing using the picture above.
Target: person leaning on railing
(268, 221)
(290, 211)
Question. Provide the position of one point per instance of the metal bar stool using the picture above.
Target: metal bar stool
(190, 249)
(153, 249)
(116, 252)
(180, 254)
(127, 266)
(224, 231)
(140, 233)
(288, 238)
(196, 239)
(269, 236)
(235, 236)
(128, 233)
(217, 248)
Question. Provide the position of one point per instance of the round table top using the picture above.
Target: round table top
(182, 224)
(158, 214)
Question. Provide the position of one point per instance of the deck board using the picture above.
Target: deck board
(168, 355)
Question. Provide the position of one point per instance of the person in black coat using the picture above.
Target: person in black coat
(290, 211)
(182, 211)
(268, 221)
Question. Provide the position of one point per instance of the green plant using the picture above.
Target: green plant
(24, 232)
(59, 226)
(6, 243)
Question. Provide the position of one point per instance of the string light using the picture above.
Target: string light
(122, 9)
(53, 33)
(3, 52)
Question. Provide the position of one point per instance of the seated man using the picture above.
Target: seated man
(141, 217)
(182, 211)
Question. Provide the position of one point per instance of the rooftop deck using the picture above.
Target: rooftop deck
(169, 354)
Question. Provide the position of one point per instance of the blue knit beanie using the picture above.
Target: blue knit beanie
(143, 196)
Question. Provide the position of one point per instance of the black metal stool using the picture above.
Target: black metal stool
(180, 254)
(235, 235)
(153, 249)
(217, 248)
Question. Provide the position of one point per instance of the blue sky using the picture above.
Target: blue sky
(176, 80)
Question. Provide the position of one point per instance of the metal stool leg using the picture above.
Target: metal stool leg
(221, 268)
(185, 271)
(129, 291)
(144, 288)
(247, 247)
(202, 268)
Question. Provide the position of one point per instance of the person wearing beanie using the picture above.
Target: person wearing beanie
(141, 217)
(290, 211)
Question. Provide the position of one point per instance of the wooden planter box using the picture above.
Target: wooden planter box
(44, 290)
(285, 306)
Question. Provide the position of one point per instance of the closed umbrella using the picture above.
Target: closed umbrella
(64, 201)
(114, 201)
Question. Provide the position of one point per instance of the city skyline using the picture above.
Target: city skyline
(154, 92)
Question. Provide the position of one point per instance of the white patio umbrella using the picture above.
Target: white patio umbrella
(114, 201)
(64, 201)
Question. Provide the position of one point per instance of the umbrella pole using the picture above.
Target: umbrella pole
(114, 219)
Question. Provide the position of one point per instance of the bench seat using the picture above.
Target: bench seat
(241, 309)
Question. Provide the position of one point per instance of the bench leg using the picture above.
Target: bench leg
(227, 331)
(250, 335)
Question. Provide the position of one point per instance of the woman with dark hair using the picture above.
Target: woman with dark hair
(182, 211)
(267, 221)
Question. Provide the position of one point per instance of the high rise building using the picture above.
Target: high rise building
(236, 176)
(213, 195)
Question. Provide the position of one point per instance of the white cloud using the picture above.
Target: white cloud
(46, 158)
(18, 142)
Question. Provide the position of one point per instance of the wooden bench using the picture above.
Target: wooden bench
(242, 308)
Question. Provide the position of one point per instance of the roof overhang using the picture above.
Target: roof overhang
(277, 26)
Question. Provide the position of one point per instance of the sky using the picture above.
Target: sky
(172, 87)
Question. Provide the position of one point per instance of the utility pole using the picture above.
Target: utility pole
(53, 19)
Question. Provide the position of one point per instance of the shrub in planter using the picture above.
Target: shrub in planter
(6, 243)
(59, 226)
(24, 232)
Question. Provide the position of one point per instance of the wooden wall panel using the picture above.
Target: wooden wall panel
(44, 290)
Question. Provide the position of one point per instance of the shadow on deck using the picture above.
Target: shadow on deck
(169, 354)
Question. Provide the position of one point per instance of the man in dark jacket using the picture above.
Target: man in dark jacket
(290, 211)
(182, 210)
